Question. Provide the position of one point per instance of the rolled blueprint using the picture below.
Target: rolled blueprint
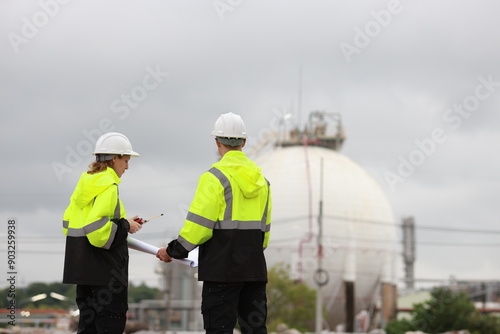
(191, 260)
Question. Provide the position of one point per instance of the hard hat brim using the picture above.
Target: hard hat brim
(131, 153)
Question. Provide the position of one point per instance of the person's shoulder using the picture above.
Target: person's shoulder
(105, 178)
(212, 175)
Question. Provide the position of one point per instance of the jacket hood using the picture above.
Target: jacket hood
(244, 172)
(91, 185)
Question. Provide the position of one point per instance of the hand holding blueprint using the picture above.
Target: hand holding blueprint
(191, 260)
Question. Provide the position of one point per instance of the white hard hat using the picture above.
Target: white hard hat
(229, 126)
(114, 143)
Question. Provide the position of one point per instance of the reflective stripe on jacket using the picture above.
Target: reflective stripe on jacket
(230, 219)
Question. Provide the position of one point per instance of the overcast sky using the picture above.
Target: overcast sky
(417, 84)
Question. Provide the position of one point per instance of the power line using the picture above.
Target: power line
(389, 223)
(278, 241)
(380, 240)
(450, 229)
(36, 239)
(457, 244)
(36, 252)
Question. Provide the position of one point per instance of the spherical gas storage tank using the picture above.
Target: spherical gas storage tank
(359, 231)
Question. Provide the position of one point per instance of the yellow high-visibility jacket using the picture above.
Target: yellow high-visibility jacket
(230, 219)
(96, 231)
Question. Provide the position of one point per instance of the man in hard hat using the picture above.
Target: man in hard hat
(229, 219)
(96, 230)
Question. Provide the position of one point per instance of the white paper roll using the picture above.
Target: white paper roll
(141, 246)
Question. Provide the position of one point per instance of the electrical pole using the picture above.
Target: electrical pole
(321, 276)
(409, 251)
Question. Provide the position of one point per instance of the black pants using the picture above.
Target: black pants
(225, 303)
(103, 309)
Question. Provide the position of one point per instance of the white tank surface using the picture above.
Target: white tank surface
(359, 231)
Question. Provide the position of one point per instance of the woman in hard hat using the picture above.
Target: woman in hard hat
(96, 230)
